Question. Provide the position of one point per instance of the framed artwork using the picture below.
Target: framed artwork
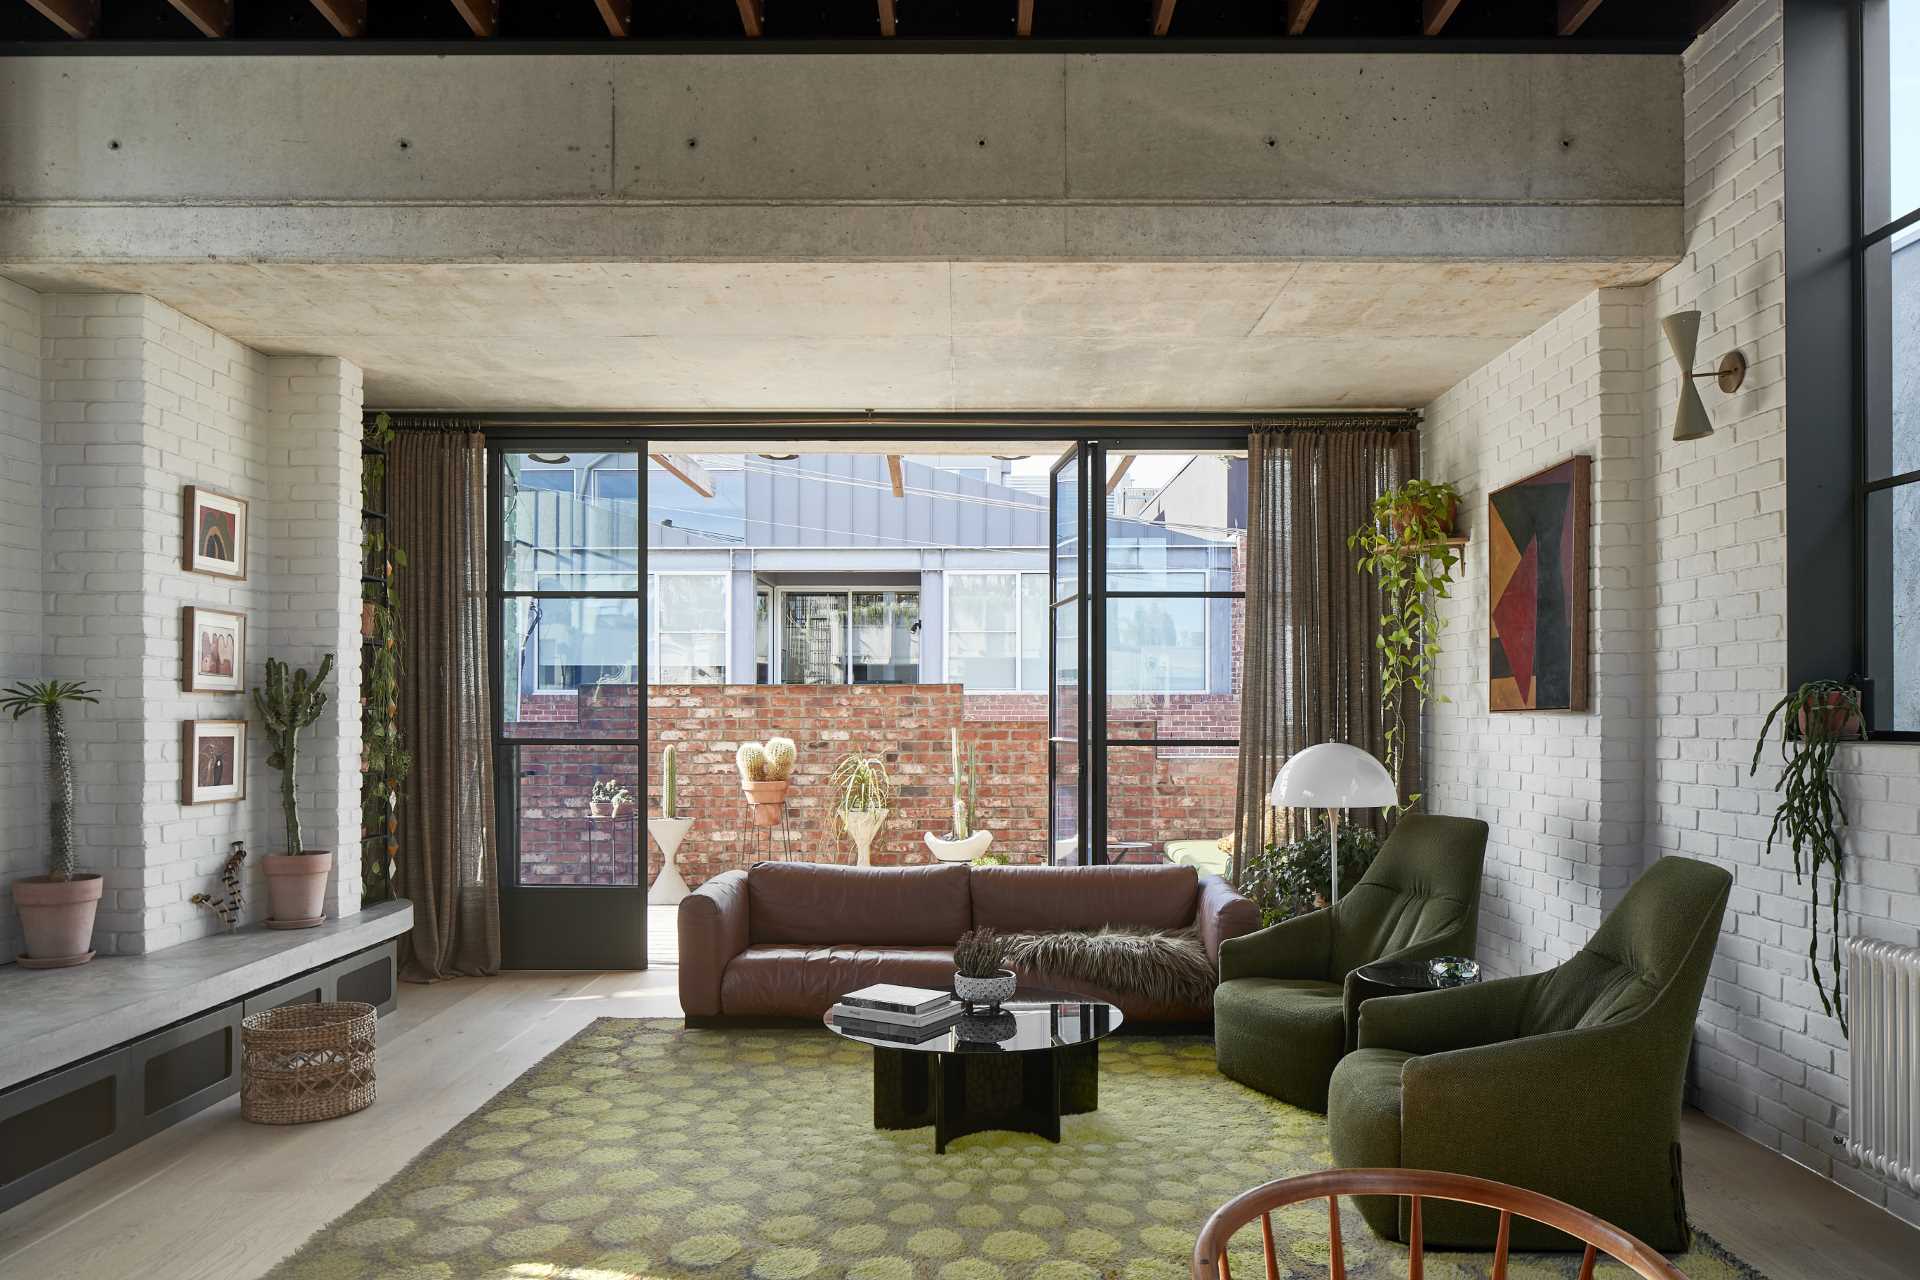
(213, 761)
(216, 533)
(216, 650)
(1540, 542)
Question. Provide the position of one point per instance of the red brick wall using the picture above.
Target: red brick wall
(1156, 795)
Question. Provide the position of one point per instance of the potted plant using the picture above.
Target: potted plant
(668, 830)
(1406, 547)
(964, 841)
(56, 909)
(606, 797)
(1292, 877)
(296, 878)
(980, 973)
(866, 799)
(1814, 720)
(765, 770)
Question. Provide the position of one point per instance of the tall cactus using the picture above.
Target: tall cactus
(965, 792)
(288, 705)
(670, 783)
(50, 696)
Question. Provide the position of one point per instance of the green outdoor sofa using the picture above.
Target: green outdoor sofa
(1566, 1082)
(1285, 1009)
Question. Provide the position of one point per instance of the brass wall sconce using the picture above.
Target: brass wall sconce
(1690, 421)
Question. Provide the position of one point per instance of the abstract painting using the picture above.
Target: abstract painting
(216, 533)
(216, 643)
(1539, 537)
(213, 757)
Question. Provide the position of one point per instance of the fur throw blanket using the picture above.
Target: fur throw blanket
(1168, 966)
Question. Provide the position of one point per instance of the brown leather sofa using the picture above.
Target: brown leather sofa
(786, 939)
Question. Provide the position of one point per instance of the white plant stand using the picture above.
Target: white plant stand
(863, 825)
(669, 886)
(959, 850)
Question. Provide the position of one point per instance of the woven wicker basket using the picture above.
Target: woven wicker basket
(306, 1062)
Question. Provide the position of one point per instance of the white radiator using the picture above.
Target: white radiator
(1883, 1045)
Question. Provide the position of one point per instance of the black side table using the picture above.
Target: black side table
(1387, 978)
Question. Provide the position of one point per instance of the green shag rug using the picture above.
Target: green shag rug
(640, 1148)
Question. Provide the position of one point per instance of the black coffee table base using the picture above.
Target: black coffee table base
(962, 1093)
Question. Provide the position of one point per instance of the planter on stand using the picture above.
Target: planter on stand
(863, 825)
(669, 887)
(959, 850)
(57, 918)
(297, 888)
(768, 801)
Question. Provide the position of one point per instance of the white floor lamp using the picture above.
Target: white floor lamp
(1333, 776)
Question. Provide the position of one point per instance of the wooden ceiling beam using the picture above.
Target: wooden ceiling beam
(896, 475)
(1119, 474)
(1162, 16)
(618, 15)
(348, 17)
(1299, 14)
(753, 17)
(213, 18)
(481, 16)
(1023, 18)
(688, 470)
(1434, 14)
(78, 18)
(1574, 14)
(886, 17)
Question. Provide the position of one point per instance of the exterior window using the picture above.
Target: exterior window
(849, 637)
(762, 637)
(886, 637)
(687, 632)
(579, 643)
(997, 631)
(1888, 250)
(1157, 644)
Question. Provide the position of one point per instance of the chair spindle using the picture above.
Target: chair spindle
(1500, 1245)
(1416, 1246)
(1336, 1258)
(1266, 1240)
(1586, 1263)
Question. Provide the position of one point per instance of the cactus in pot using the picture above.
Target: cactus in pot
(296, 879)
(964, 841)
(668, 830)
(670, 783)
(57, 909)
(765, 772)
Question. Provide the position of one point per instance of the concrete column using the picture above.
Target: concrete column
(933, 626)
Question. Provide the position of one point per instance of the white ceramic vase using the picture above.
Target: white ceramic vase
(862, 826)
(959, 850)
(669, 886)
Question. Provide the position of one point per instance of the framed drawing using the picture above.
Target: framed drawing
(216, 650)
(216, 533)
(213, 761)
(1540, 536)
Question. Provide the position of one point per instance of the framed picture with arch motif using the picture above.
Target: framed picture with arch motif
(216, 533)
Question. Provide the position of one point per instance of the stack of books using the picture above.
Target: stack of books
(908, 1015)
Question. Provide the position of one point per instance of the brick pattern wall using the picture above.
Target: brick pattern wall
(1689, 632)
(137, 402)
(23, 796)
(1156, 796)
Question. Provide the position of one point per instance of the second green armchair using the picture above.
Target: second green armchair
(1287, 1000)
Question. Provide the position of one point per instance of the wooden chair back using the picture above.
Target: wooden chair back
(1600, 1238)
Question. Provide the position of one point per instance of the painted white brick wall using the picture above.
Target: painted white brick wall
(137, 402)
(23, 796)
(1695, 568)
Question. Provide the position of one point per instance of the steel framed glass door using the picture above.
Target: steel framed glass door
(1075, 807)
(569, 608)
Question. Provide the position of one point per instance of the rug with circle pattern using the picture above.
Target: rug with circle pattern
(641, 1148)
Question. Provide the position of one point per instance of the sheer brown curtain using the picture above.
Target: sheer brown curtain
(1311, 673)
(437, 496)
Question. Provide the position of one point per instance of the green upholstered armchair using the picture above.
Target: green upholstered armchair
(1284, 1009)
(1566, 1082)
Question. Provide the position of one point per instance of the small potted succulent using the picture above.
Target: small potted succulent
(965, 841)
(866, 799)
(605, 799)
(668, 830)
(297, 878)
(980, 973)
(765, 771)
(56, 909)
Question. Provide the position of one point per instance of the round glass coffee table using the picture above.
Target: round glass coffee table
(1020, 1069)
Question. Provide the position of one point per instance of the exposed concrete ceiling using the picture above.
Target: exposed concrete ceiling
(908, 336)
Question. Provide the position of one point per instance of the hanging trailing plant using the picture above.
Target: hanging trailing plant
(1814, 720)
(385, 758)
(1406, 547)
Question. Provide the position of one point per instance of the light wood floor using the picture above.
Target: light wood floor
(217, 1199)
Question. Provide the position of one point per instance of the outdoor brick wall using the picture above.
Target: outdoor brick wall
(1155, 796)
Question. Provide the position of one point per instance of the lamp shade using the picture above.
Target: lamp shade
(1333, 775)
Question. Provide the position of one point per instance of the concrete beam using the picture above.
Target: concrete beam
(883, 156)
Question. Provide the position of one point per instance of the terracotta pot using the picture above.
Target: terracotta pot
(57, 917)
(769, 801)
(297, 888)
(1832, 719)
(366, 618)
